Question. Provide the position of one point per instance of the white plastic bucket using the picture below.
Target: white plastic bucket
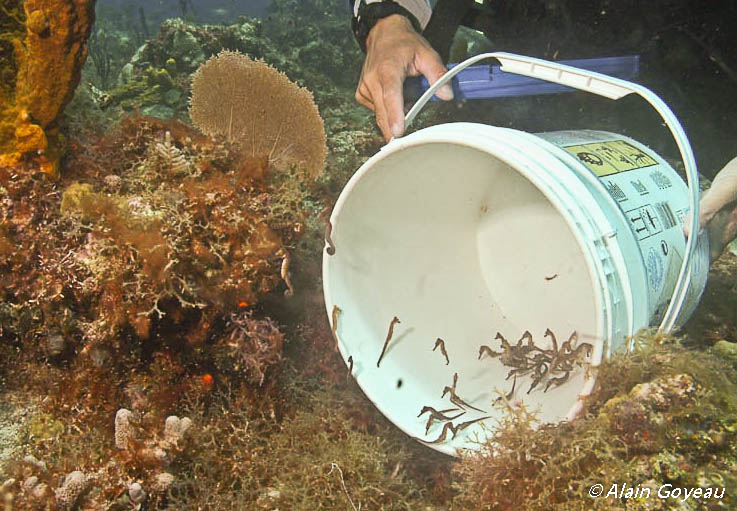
(463, 231)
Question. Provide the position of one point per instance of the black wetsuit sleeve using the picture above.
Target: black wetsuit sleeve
(366, 14)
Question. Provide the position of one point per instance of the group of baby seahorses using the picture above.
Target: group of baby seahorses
(523, 358)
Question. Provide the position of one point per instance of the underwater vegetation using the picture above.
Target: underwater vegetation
(663, 415)
(320, 47)
(138, 253)
(156, 80)
(113, 271)
(157, 77)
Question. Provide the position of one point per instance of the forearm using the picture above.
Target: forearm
(718, 211)
(723, 191)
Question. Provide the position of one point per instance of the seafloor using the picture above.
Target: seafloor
(163, 336)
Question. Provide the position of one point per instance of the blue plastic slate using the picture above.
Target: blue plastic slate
(486, 81)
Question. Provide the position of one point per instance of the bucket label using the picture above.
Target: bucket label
(661, 180)
(611, 157)
(654, 201)
(655, 270)
(651, 219)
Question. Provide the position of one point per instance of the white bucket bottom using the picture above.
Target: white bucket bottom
(466, 231)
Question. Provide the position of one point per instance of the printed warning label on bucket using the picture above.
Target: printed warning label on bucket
(655, 270)
(651, 219)
(611, 157)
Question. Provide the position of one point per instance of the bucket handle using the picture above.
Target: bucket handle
(612, 88)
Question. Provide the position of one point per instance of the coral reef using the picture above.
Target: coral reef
(319, 55)
(108, 50)
(206, 246)
(150, 359)
(331, 460)
(323, 47)
(12, 26)
(127, 279)
(113, 247)
(156, 78)
(124, 430)
(141, 463)
(185, 45)
(48, 63)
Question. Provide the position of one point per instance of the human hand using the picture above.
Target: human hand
(718, 210)
(395, 51)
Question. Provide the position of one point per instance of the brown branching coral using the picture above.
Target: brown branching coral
(260, 109)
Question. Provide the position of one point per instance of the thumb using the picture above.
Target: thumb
(687, 225)
(705, 216)
(429, 64)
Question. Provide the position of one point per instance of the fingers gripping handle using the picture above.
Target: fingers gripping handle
(612, 88)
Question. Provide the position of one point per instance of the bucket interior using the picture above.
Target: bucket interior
(458, 245)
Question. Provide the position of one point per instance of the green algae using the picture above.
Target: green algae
(44, 427)
(315, 457)
(665, 414)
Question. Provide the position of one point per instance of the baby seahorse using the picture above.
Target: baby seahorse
(285, 274)
(395, 320)
(438, 415)
(336, 312)
(441, 343)
(464, 425)
(511, 392)
(331, 246)
(454, 397)
(448, 426)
